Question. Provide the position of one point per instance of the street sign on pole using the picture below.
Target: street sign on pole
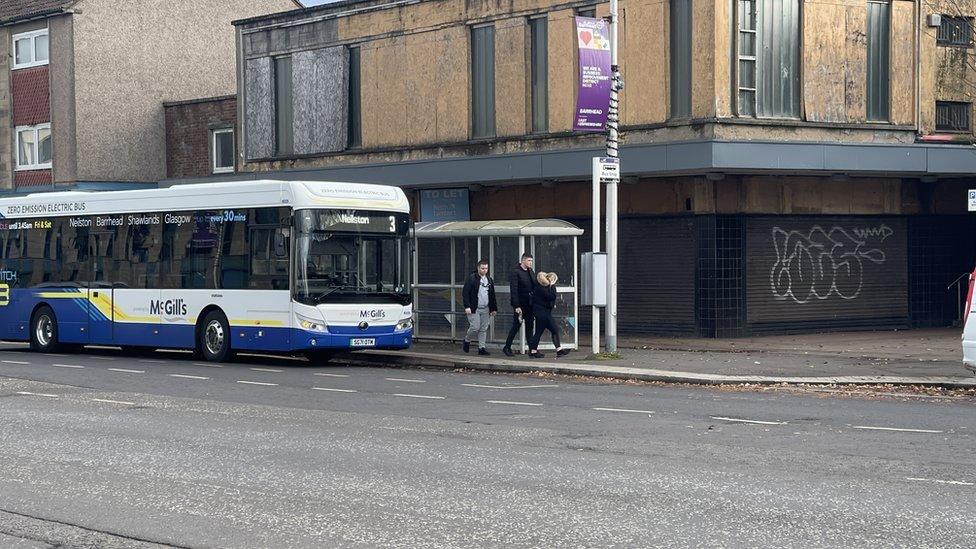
(609, 169)
(972, 200)
(613, 119)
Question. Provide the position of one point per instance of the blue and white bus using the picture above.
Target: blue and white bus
(267, 266)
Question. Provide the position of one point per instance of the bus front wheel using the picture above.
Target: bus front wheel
(215, 337)
(44, 331)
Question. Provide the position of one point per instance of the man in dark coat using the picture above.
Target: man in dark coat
(478, 296)
(522, 283)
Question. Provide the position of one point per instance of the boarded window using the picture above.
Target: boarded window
(951, 116)
(540, 74)
(355, 100)
(955, 31)
(879, 43)
(284, 107)
(680, 58)
(769, 58)
(483, 81)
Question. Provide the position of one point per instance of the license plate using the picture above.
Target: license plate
(363, 342)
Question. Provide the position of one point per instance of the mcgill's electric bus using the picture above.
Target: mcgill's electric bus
(268, 266)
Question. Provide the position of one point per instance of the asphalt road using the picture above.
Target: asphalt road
(101, 449)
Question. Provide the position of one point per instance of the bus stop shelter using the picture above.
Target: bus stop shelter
(446, 253)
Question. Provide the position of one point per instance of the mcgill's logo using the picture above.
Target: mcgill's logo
(168, 307)
(372, 314)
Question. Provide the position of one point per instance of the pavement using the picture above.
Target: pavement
(931, 357)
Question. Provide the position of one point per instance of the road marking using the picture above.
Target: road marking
(406, 380)
(418, 396)
(257, 383)
(127, 371)
(185, 376)
(52, 354)
(624, 410)
(335, 390)
(102, 357)
(208, 365)
(67, 366)
(754, 421)
(900, 430)
(266, 370)
(507, 386)
(28, 393)
(514, 403)
(329, 375)
(15, 362)
(937, 481)
(154, 361)
(114, 401)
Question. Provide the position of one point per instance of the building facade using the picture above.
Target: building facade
(788, 165)
(82, 84)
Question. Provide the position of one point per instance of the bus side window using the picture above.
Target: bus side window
(269, 271)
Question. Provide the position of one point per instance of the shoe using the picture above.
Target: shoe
(562, 352)
(466, 346)
(508, 351)
(536, 354)
(483, 352)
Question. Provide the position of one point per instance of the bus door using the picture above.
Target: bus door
(101, 295)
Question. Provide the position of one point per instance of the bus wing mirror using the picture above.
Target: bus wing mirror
(281, 250)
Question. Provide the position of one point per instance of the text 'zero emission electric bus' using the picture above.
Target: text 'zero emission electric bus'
(268, 266)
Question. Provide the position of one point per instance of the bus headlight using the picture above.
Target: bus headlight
(404, 325)
(311, 325)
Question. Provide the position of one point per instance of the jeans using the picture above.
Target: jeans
(529, 320)
(544, 323)
(478, 322)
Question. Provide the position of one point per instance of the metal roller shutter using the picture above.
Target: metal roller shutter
(823, 273)
(656, 285)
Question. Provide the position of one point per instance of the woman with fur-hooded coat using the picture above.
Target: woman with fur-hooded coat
(543, 301)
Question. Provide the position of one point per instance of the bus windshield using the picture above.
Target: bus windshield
(351, 256)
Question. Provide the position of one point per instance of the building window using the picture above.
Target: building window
(222, 145)
(952, 116)
(483, 81)
(955, 31)
(30, 49)
(355, 122)
(33, 147)
(540, 73)
(769, 58)
(586, 11)
(680, 28)
(879, 43)
(284, 107)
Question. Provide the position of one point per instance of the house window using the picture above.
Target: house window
(284, 107)
(955, 31)
(951, 116)
(483, 81)
(680, 21)
(586, 11)
(30, 49)
(33, 147)
(540, 73)
(222, 145)
(769, 58)
(879, 43)
(355, 122)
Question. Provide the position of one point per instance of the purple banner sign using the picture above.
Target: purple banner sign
(593, 99)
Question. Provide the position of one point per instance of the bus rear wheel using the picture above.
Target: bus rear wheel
(214, 337)
(44, 331)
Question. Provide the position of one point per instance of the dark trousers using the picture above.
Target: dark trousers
(529, 319)
(543, 323)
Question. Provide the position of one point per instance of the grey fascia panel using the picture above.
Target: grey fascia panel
(951, 160)
(566, 164)
(874, 158)
(681, 156)
(767, 156)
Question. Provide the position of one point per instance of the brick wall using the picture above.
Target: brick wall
(31, 98)
(31, 178)
(188, 126)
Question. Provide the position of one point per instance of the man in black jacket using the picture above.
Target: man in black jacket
(522, 283)
(478, 296)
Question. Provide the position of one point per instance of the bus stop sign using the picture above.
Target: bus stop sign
(972, 200)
